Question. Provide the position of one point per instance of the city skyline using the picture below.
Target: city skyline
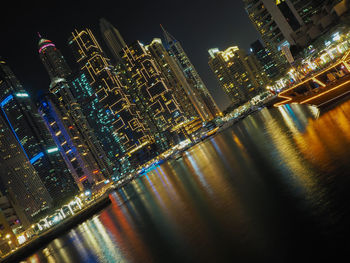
(195, 38)
(165, 132)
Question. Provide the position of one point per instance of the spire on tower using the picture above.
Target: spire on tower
(168, 37)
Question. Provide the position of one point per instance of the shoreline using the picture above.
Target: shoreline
(62, 228)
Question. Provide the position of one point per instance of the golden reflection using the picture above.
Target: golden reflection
(237, 141)
(289, 155)
(209, 167)
(49, 256)
(327, 139)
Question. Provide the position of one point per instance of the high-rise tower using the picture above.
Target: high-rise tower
(129, 133)
(53, 60)
(150, 91)
(62, 88)
(176, 79)
(22, 117)
(276, 21)
(239, 75)
(113, 39)
(70, 141)
(18, 178)
(175, 50)
(265, 59)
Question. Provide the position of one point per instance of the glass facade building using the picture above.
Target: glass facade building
(239, 75)
(110, 90)
(152, 94)
(207, 104)
(175, 79)
(22, 117)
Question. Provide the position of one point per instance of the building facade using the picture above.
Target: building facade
(151, 93)
(18, 178)
(239, 75)
(265, 59)
(207, 104)
(110, 89)
(22, 117)
(276, 21)
(64, 106)
(113, 39)
(55, 64)
(176, 80)
(70, 142)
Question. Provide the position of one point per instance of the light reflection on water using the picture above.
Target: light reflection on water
(272, 187)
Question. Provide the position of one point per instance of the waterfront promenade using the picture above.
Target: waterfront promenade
(44, 238)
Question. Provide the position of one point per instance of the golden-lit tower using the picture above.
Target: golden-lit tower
(132, 136)
(239, 75)
(154, 97)
(176, 80)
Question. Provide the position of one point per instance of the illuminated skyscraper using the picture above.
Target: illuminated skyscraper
(100, 122)
(70, 141)
(129, 132)
(276, 21)
(208, 105)
(70, 111)
(24, 120)
(151, 93)
(53, 60)
(113, 39)
(18, 178)
(239, 75)
(176, 80)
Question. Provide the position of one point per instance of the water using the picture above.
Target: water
(272, 188)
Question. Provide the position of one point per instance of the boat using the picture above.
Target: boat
(322, 88)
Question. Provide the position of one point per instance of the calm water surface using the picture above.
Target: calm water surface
(272, 188)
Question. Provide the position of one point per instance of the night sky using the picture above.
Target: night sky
(198, 25)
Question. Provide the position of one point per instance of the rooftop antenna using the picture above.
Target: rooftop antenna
(168, 37)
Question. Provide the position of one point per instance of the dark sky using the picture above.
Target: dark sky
(198, 25)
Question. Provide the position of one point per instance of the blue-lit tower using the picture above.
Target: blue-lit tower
(18, 178)
(70, 141)
(22, 117)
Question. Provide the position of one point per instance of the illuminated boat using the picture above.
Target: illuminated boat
(321, 88)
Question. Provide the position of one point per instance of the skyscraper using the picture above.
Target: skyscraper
(18, 178)
(130, 134)
(208, 105)
(70, 142)
(176, 80)
(151, 93)
(22, 117)
(100, 124)
(276, 21)
(239, 75)
(52, 59)
(72, 115)
(113, 39)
